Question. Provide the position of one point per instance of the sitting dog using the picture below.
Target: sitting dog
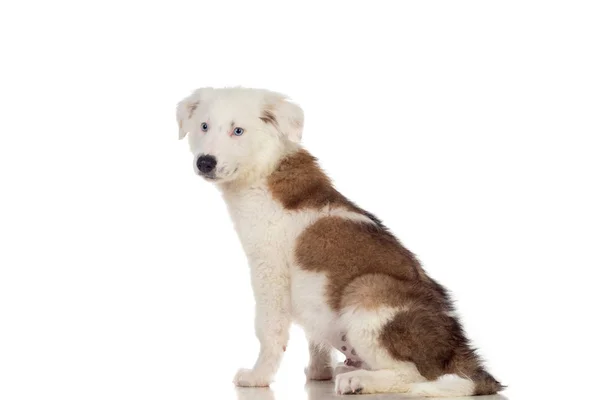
(321, 261)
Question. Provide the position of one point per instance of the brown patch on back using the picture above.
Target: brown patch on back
(346, 250)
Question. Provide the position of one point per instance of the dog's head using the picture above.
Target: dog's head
(238, 133)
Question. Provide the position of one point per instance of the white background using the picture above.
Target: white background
(471, 128)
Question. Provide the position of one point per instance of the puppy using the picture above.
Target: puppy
(321, 261)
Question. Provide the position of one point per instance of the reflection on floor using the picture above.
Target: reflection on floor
(323, 391)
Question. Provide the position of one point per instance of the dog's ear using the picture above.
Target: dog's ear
(286, 116)
(187, 107)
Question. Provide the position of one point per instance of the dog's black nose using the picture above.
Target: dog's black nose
(206, 164)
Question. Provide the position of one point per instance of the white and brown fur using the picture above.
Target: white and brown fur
(320, 261)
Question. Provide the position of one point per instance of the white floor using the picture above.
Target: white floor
(316, 391)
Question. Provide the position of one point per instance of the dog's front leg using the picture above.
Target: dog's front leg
(271, 285)
(321, 362)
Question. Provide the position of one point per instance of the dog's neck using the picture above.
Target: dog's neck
(296, 182)
(259, 175)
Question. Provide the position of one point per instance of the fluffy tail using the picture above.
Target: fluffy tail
(452, 385)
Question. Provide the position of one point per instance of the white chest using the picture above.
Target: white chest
(264, 227)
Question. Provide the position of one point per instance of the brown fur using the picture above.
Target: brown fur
(368, 267)
(346, 250)
(298, 182)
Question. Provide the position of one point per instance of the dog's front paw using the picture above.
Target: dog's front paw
(249, 377)
(349, 383)
(318, 373)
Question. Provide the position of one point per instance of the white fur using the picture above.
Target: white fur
(402, 381)
(380, 381)
(449, 385)
(321, 363)
(310, 306)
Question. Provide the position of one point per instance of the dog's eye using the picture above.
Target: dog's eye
(238, 131)
(204, 126)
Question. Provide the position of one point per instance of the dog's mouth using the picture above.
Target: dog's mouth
(211, 176)
(221, 174)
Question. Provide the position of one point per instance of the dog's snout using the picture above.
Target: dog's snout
(206, 164)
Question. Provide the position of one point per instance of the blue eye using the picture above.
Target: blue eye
(238, 131)
(204, 126)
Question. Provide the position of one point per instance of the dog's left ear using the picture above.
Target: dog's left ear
(286, 116)
(187, 107)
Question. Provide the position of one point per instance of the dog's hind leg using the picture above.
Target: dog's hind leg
(380, 381)
(385, 374)
(411, 342)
